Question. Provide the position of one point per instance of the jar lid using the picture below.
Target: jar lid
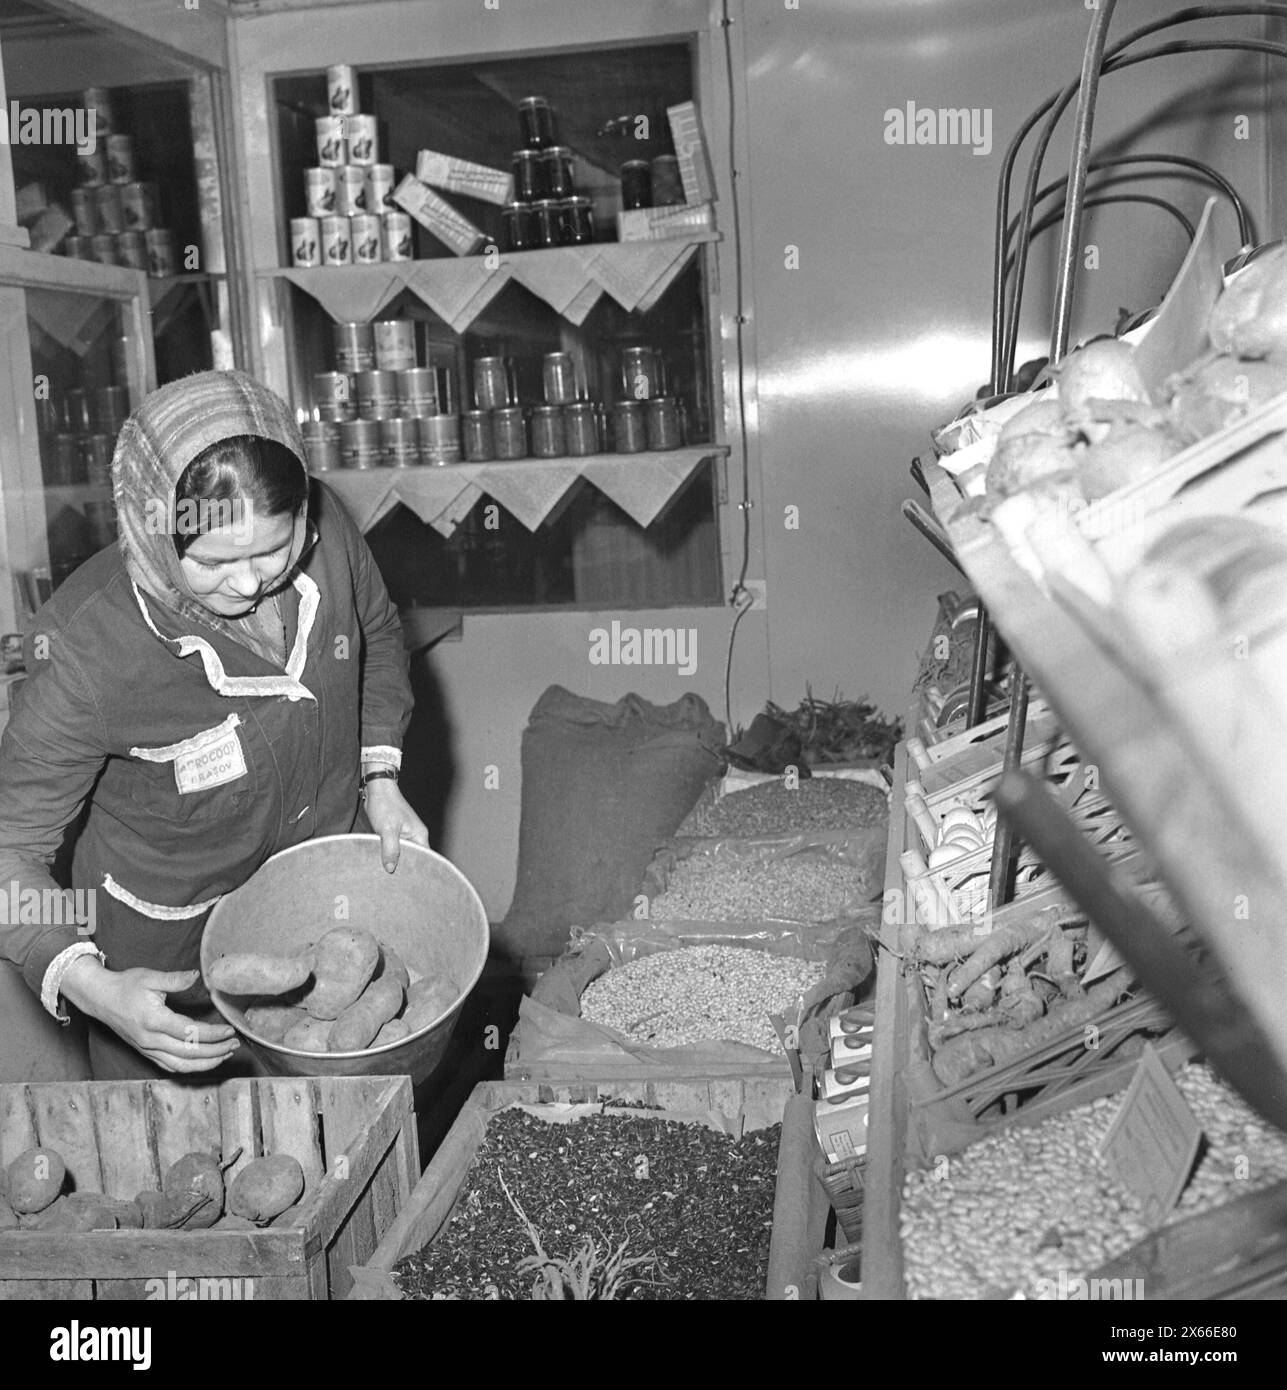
(551, 151)
(527, 154)
(479, 416)
(636, 164)
(533, 101)
(546, 409)
(628, 405)
(508, 411)
(548, 203)
(580, 408)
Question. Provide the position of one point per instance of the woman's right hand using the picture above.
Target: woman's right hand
(132, 1004)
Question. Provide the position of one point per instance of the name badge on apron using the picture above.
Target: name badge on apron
(211, 762)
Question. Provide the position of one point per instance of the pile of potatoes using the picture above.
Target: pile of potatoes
(193, 1196)
(348, 992)
(1106, 430)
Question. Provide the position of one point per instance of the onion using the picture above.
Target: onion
(1221, 391)
(1250, 317)
(1102, 370)
(1126, 454)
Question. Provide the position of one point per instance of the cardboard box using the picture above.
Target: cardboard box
(437, 216)
(656, 224)
(460, 176)
(691, 150)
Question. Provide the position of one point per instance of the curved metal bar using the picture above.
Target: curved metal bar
(1055, 215)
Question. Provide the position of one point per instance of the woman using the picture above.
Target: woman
(210, 688)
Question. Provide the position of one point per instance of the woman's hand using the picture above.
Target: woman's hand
(132, 1004)
(393, 820)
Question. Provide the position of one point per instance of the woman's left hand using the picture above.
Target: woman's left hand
(393, 821)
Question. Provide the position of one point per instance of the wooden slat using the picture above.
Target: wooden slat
(65, 1123)
(144, 1254)
(17, 1124)
(288, 1109)
(47, 1290)
(126, 1155)
(185, 1119)
(237, 1126)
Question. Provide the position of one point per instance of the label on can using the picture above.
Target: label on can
(350, 190)
(132, 250)
(341, 90)
(332, 147)
(319, 191)
(105, 249)
(138, 201)
(120, 158)
(93, 168)
(110, 209)
(367, 239)
(160, 253)
(305, 242)
(332, 387)
(379, 188)
(363, 139)
(354, 347)
(398, 245)
(395, 345)
(99, 101)
(337, 241)
(84, 211)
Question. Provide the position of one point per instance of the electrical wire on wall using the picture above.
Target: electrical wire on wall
(741, 597)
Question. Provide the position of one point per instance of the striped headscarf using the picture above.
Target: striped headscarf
(172, 426)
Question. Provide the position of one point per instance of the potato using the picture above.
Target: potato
(391, 965)
(163, 1210)
(309, 1035)
(35, 1178)
(129, 1215)
(192, 1177)
(78, 1212)
(346, 959)
(393, 1031)
(427, 1001)
(360, 1022)
(252, 972)
(265, 1187)
(272, 1022)
(8, 1217)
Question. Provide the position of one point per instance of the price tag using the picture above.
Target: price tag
(1152, 1142)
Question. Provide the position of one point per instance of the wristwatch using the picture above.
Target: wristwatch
(372, 776)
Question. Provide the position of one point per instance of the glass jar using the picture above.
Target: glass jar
(536, 121)
(509, 432)
(581, 425)
(549, 213)
(522, 227)
(664, 428)
(476, 436)
(558, 378)
(576, 222)
(636, 184)
(667, 183)
(529, 170)
(629, 428)
(557, 162)
(549, 438)
(491, 383)
(639, 372)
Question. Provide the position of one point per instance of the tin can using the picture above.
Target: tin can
(341, 90)
(84, 211)
(395, 345)
(667, 182)
(636, 184)
(522, 231)
(79, 248)
(581, 424)
(354, 347)
(398, 245)
(491, 383)
(101, 517)
(305, 242)
(363, 138)
(549, 439)
(320, 191)
(638, 372)
(476, 436)
(377, 394)
(321, 445)
(99, 101)
(350, 190)
(93, 167)
(110, 405)
(557, 161)
(333, 392)
(629, 427)
(536, 122)
(576, 222)
(368, 239)
(105, 252)
(380, 183)
(96, 450)
(332, 146)
(80, 417)
(359, 444)
(664, 428)
(549, 213)
(509, 432)
(400, 443)
(160, 253)
(138, 202)
(336, 241)
(120, 159)
(109, 207)
(69, 462)
(558, 378)
(529, 176)
(132, 250)
(418, 391)
(439, 439)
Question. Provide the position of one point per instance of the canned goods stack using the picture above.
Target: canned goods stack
(350, 216)
(547, 209)
(115, 210)
(380, 408)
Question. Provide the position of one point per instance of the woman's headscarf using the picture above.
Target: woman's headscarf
(172, 426)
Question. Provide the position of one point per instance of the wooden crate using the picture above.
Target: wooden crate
(753, 1103)
(355, 1138)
